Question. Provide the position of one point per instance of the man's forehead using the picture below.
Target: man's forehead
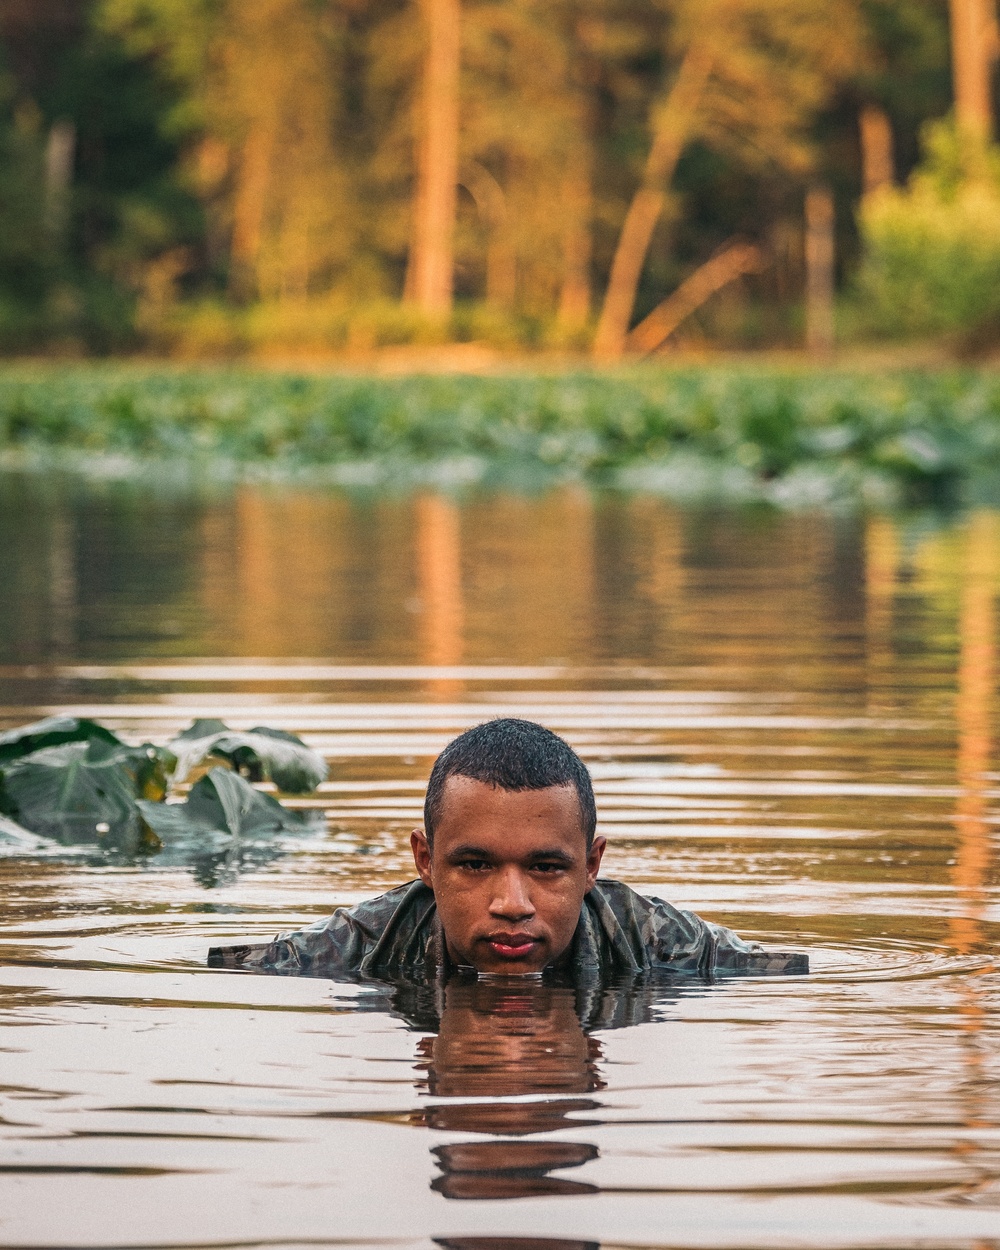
(470, 794)
(467, 803)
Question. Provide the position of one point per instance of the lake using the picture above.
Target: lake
(790, 719)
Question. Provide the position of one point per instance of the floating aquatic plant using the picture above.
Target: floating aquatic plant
(761, 432)
(219, 808)
(259, 754)
(54, 731)
(66, 781)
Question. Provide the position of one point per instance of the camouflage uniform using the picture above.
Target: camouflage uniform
(620, 934)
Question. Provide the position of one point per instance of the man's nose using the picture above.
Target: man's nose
(512, 897)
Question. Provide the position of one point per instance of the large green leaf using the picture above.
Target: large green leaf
(81, 792)
(16, 840)
(220, 807)
(258, 754)
(149, 767)
(54, 731)
(224, 828)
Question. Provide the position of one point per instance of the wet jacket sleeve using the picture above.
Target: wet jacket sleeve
(682, 941)
(334, 945)
(383, 932)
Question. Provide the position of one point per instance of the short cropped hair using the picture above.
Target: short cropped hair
(511, 754)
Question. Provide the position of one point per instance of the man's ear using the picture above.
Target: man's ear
(422, 856)
(594, 857)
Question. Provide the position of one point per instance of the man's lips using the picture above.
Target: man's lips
(512, 945)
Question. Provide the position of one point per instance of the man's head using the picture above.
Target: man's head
(509, 847)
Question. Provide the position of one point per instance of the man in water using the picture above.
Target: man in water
(508, 864)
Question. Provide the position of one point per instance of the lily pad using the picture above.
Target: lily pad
(14, 839)
(225, 828)
(220, 808)
(257, 754)
(148, 766)
(54, 731)
(80, 792)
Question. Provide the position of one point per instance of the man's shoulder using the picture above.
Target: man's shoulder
(624, 900)
(341, 941)
(375, 913)
(616, 890)
(659, 935)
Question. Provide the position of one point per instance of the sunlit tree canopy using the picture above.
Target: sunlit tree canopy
(223, 174)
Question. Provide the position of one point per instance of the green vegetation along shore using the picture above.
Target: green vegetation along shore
(798, 438)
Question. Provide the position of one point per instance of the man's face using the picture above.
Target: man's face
(509, 870)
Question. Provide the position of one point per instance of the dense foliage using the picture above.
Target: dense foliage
(793, 437)
(932, 264)
(217, 175)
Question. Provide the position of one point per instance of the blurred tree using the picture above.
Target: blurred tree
(430, 278)
(25, 260)
(105, 199)
(752, 75)
(260, 98)
(973, 51)
(280, 152)
(906, 78)
(522, 144)
(932, 257)
(878, 162)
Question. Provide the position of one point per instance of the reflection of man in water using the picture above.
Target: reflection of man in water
(508, 864)
(503, 1038)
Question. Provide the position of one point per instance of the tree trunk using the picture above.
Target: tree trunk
(973, 47)
(577, 204)
(819, 270)
(877, 163)
(60, 150)
(431, 269)
(249, 209)
(671, 129)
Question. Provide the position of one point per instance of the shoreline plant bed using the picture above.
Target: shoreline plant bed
(794, 437)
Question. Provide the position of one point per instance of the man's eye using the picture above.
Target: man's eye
(474, 865)
(549, 867)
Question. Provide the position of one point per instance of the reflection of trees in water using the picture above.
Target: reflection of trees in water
(956, 575)
(87, 568)
(976, 685)
(269, 571)
(882, 566)
(508, 1038)
(976, 680)
(62, 583)
(439, 565)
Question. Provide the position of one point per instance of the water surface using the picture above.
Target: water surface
(790, 721)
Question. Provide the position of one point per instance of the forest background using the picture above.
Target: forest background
(254, 177)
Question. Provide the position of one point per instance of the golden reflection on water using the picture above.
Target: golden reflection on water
(976, 690)
(442, 613)
(882, 559)
(565, 577)
(975, 694)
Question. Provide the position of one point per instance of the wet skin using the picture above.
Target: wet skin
(509, 870)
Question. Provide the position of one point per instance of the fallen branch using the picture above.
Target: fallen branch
(734, 260)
